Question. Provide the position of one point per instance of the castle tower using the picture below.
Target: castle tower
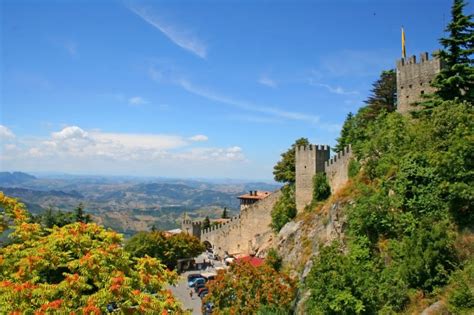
(190, 227)
(414, 80)
(309, 160)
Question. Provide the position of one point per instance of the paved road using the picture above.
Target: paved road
(181, 291)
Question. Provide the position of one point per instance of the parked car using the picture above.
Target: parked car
(195, 281)
(211, 256)
(203, 293)
(193, 276)
(201, 289)
(198, 286)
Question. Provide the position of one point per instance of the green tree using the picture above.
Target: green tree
(284, 209)
(383, 94)
(284, 170)
(345, 137)
(321, 188)
(225, 215)
(78, 268)
(79, 215)
(456, 79)
(246, 289)
(168, 249)
(206, 223)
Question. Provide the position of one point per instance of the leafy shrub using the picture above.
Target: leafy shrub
(353, 168)
(321, 188)
(246, 289)
(284, 209)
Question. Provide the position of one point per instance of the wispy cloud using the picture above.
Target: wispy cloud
(199, 138)
(267, 81)
(6, 133)
(248, 106)
(182, 38)
(137, 101)
(333, 89)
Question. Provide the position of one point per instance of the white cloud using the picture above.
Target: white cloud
(137, 100)
(74, 145)
(6, 133)
(333, 89)
(265, 80)
(191, 88)
(180, 37)
(199, 138)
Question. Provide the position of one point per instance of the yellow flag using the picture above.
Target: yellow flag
(404, 52)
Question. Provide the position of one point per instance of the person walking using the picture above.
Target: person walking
(191, 294)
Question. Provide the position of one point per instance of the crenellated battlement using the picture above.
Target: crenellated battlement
(234, 221)
(313, 147)
(414, 79)
(337, 169)
(338, 157)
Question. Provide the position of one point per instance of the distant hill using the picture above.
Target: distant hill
(15, 178)
(126, 204)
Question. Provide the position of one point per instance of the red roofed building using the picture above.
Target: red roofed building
(254, 261)
(252, 197)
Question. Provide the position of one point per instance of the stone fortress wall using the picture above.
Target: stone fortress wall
(337, 169)
(236, 235)
(414, 80)
(308, 161)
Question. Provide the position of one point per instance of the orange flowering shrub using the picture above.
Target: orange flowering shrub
(80, 268)
(246, 289)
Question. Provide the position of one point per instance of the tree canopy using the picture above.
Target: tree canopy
(456, 79)
(167, 248)
(284, 170)
(77, 268)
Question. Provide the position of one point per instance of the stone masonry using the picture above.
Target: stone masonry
(309, 161)
(414, 79)
(337, 169)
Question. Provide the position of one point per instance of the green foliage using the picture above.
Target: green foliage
(50, 217)
(168, 249)
(78, 268)
(284, 170)
(225, 215)
(461, 294)
(456, 80)
(414, 191)
(206, 223)
(381, 101)
(352, 283)
(246, 289)
(353, 168)
(284, 209)
(273, 259)
(321, 188)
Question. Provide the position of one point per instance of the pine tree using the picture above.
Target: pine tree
(206, 223)
(384, 94)
(225, 215)
(344, 139)
(456, 79)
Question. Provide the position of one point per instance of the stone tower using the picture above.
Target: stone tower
(414, 79)
(190, 227)
(309, 160)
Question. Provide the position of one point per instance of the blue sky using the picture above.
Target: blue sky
(191, 88)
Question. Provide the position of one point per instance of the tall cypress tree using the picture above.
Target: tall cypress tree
(456, 79)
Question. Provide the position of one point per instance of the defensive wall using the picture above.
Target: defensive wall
(236, 235)
(337, 169)
(414, 80)
(309, 160)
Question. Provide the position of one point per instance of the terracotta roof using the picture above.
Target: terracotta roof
(255, 195)
(254, 261)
